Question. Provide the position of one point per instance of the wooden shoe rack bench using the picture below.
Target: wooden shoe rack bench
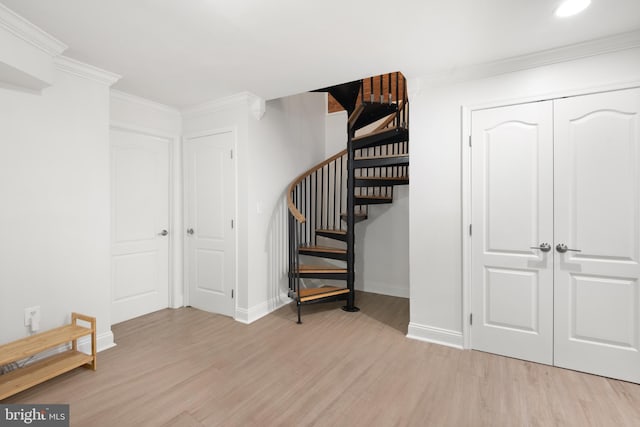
(49, 367)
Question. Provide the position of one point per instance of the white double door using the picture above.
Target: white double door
(556, 232)
(209, 221)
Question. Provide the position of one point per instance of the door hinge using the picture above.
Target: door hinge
(231, 293)
(231, 154)
(471, 318)
(470, 229)
(469, 140)
(231, 223)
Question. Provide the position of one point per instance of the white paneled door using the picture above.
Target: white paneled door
(209, 220)
(140, 224)
(562, 177)
(597, 218)
(512, 214)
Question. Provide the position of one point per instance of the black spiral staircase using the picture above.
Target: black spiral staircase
(328, 200)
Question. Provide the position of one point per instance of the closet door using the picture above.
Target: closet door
(597, 219)
(210, 200)
(512, 216)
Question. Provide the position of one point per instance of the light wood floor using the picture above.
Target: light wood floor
(189, 368)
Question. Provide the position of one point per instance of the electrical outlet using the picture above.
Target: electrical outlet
(32, 317)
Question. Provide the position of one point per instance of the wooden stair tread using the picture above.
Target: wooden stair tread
(323, 249)
(310, 294)
(386, 178)
(320, 269)
(378, 137)
(374, 197)
(389, 156)
(42, 370)
(40, 342)
(375, 132)
(357, 214)
(342, 232)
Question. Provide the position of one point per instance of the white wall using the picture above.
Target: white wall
(436, 186)
(54, 221)
(288, 140)
(137, 115)
(271, 152)
(382, 247)
(335, 133)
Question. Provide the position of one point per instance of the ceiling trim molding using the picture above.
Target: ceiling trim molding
(616, 43)
(258, 107)
(244, 98)
(25, 30)
(134, 99)
(86, 71)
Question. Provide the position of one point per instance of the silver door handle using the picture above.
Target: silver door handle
(190, 231)
(562, 248)
(544, 247)
(163, 233)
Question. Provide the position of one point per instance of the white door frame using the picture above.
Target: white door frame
(465, 152)
(175, 218)
(185, 260)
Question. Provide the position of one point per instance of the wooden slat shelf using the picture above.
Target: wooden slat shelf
(51, 366)
(40, 371)
(37, 343)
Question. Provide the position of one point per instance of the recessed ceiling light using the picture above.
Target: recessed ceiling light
(572, 7)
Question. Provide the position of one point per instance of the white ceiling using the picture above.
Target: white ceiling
(185, 52)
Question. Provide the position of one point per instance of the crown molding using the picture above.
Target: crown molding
(86, 71)
(616, 43)
(134, 99)
(20, 27)
(246, 99)
(258, 107)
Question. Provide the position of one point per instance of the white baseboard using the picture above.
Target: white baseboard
(260, 310)
(104, 341)
(435, 335)
(384, 289)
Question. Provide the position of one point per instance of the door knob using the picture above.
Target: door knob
(190, 231)
(562, 248)
(163, 233)
(544, 247)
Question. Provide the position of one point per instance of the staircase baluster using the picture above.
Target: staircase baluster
(327, 197)
(318, 224)
(372, 95)
(322, 198)
(336, 215)
(309, 208)
(397, 92)
(290, 258)
(340, 196)
(297, 281)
